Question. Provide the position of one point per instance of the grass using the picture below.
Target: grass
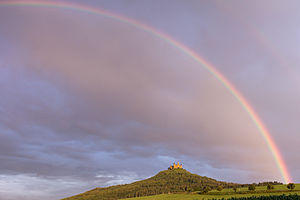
(225, 193)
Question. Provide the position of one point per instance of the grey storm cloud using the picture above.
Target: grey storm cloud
(87, 101)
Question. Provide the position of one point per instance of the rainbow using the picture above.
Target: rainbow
(205, 64)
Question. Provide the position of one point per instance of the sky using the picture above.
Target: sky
(89, 101)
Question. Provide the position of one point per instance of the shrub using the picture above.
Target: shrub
(219, 188)
(251, 187)
(206, 189)
(270, 187)
(290, 186)
(234, 188)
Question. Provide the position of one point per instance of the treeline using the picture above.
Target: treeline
(274, 197)
(263, 183)
(168, 181)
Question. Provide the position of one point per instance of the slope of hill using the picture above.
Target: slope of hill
(167, 181)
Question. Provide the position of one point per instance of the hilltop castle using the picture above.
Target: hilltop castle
(176, 166)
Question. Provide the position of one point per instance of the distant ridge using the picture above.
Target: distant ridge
(167, 181)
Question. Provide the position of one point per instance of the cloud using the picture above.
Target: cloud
(86, 96)
(31, 187)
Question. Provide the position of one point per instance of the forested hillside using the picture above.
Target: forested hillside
(168, 181)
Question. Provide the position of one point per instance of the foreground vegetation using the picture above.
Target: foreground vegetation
(279, 192)
(274, 197)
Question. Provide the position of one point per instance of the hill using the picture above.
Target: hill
(167, 181)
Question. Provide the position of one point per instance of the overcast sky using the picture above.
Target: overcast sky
(88, 101)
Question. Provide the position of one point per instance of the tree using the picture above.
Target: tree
(234, 188)
(206, 189)
(185, 188)
(219, 188)
(270, 186)
(290, 186)
(197, 188)
(251, 187)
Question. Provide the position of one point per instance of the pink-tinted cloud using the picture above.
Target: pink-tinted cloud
(84, 95)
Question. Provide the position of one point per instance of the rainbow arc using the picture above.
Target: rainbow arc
(205, 64)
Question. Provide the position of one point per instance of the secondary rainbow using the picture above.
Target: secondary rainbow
(226, 83)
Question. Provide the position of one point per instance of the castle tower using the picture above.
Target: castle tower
(176, 166)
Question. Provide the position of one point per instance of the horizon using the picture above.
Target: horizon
(98, 93)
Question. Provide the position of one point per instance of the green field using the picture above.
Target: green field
(225, 193)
